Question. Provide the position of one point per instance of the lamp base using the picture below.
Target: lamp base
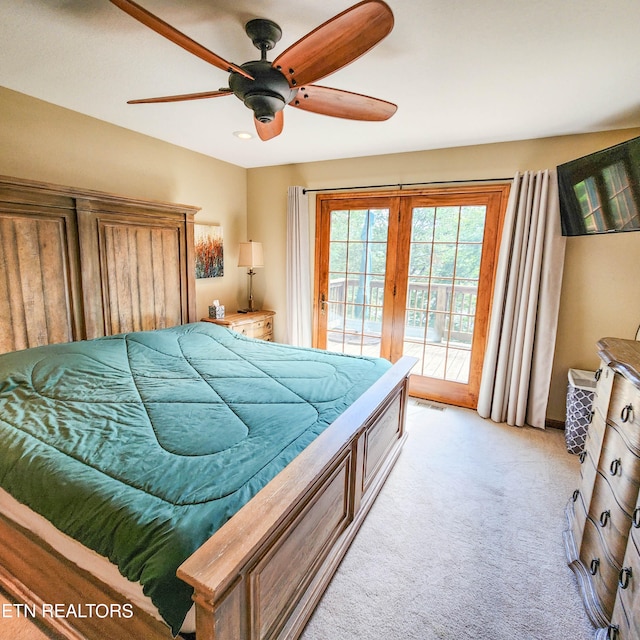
(250, 308)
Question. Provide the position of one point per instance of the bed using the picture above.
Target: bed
(253, 570)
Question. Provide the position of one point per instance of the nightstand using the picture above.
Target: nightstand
(253, 324)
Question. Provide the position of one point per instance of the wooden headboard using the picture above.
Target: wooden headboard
(78, 264)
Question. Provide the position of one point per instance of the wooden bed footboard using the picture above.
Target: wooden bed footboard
(262, 574)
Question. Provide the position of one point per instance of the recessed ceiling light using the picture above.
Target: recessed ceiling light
(243, 135)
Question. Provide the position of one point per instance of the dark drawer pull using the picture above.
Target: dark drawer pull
(613, 632)
(597, 374)
(627, 413)
(636, 518)
(604, 518)
(624, 578)
(582, 457)
(591, 414)
(576, 493)
(615, 466)
(593, 568)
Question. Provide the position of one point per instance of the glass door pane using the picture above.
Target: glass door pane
(442, 290)
(357, 272)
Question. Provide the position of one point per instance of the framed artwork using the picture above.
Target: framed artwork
(208, 250)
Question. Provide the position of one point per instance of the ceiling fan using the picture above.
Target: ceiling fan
(267, 87)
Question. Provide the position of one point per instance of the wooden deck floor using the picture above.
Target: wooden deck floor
(432, 357)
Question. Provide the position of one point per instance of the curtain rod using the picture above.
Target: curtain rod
(408, 184)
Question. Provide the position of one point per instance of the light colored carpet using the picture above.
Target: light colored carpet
(463, 542)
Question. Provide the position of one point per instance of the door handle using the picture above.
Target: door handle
(323, 304)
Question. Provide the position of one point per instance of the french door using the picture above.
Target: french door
(410, 273)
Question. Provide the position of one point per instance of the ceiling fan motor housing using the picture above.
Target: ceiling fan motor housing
(268, 93)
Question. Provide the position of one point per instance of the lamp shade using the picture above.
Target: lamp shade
(251, 255)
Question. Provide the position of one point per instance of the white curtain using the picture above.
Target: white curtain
(298, 273)
(522, 332)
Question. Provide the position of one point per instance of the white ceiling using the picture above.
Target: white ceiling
(461, 71)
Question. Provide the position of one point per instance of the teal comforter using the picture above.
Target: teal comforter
(141, 445)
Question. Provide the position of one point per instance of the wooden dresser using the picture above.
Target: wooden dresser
(603, 538)
(253, 324)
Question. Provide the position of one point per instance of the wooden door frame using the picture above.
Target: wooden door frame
(396, 281)
(495, 198)
(364, 200)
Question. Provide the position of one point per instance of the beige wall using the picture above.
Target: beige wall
(600, 294)
(39, 141)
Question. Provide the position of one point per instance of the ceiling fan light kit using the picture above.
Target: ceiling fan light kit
(268, 87)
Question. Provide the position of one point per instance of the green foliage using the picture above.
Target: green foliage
(359, 242)
(446, 249)
(447, 241)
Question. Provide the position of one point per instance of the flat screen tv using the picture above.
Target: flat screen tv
(600, 193)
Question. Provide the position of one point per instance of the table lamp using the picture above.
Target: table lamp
(251, 256)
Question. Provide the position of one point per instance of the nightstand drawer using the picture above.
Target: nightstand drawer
(253, 324)
(262, 329)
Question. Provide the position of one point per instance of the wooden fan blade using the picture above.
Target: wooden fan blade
(268, 130)
(179, 38)
(336, 43)
(342, 104)
(184, 96)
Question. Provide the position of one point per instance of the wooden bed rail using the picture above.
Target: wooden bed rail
(261, 575)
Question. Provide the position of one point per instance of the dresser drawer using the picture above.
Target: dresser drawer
(626, 614)
(621, 467)
(612, 521)
(579, 518)
(605, 377)
(620, 627)
(588, 473)
(624, 411)
(603, 573)
(595, 435)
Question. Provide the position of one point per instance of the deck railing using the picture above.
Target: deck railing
(449, 309)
